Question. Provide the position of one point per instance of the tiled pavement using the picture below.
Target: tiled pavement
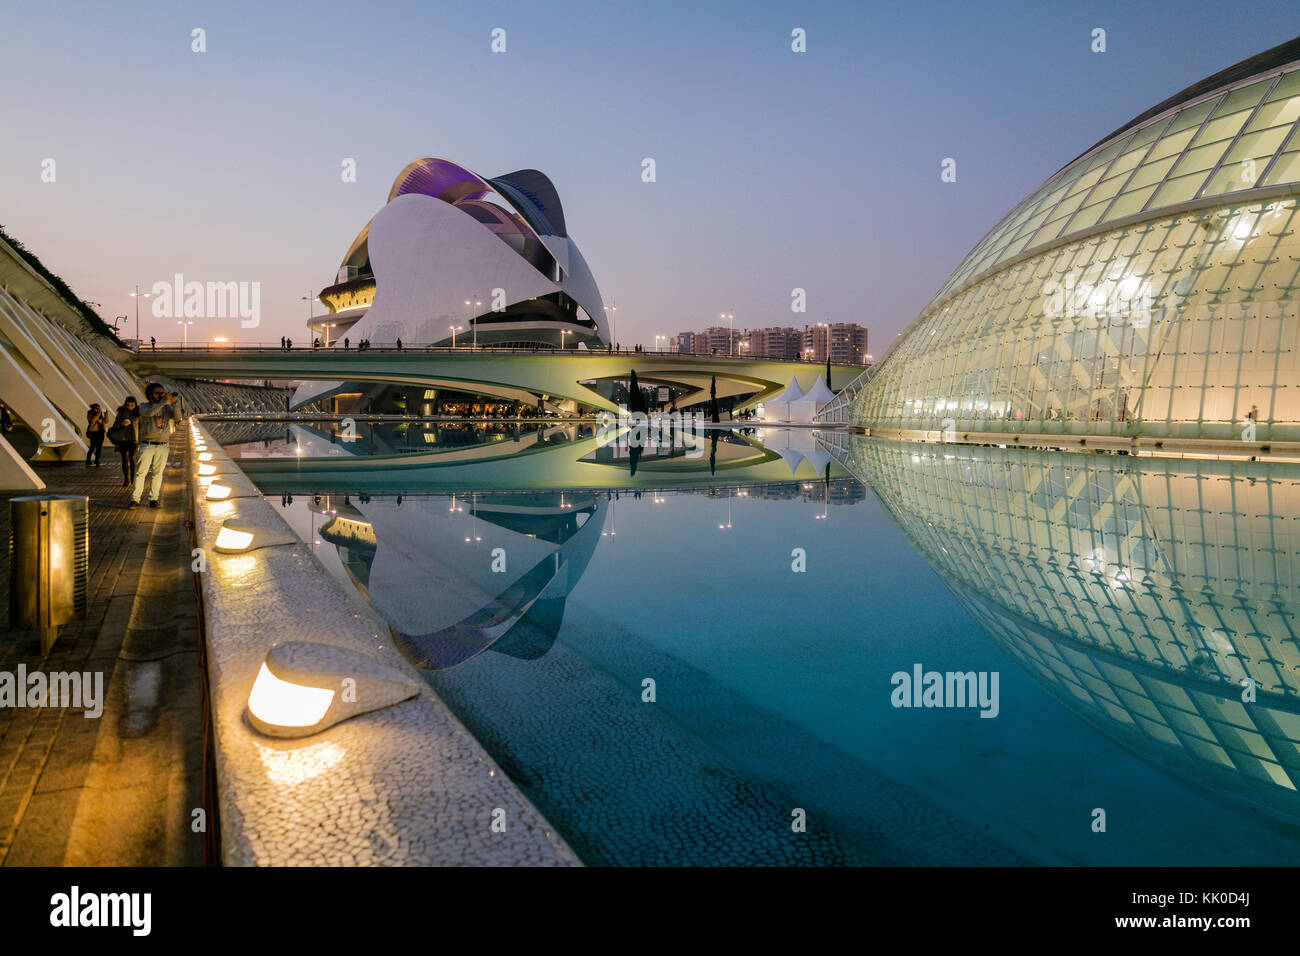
(119, 789)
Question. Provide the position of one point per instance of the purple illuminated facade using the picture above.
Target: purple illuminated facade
(442, 274)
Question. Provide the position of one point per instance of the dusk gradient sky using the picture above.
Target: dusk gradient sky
(775, 169)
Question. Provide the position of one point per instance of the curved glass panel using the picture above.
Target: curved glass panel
(1173, 327)
(1218, 144)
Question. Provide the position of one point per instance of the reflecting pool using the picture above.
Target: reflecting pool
(682, 652)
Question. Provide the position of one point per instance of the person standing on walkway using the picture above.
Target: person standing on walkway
(125, 435)
(157, 417)
(95, 418)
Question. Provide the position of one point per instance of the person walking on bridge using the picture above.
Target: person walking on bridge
(157, 419)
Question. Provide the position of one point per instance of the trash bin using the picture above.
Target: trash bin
(49, 554)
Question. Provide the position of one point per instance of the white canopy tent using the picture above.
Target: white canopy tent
(805, 409)
(778, 409)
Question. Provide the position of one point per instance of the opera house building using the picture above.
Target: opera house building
(1149, 289)
(453, 255)
(457, 260)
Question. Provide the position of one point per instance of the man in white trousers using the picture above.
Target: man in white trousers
(158, 416)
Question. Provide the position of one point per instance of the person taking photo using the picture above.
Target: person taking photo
(158, 417)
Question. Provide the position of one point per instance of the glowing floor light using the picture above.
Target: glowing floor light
(295, 695)
(282, 704)
(231, 540)
(237, 537)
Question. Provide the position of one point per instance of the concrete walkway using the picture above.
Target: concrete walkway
(120, 789)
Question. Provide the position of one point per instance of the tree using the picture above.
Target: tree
(713, 399)
(635, 400)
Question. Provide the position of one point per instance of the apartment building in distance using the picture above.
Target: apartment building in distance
(841, 342)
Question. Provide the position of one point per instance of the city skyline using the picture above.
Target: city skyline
(242, 179)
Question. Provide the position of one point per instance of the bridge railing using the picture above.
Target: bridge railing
(335, 348)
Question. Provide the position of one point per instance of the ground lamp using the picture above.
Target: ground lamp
(304, 688)
(237, 537)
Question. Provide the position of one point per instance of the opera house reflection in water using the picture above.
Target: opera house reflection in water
(455, 576)
(1156, 598)
(452, 574)
(1140, 592)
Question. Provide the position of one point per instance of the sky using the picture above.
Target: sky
(775, 170)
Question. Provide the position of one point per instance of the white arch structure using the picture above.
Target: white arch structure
(53, 365)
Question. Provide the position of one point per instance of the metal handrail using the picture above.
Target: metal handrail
(259, 347)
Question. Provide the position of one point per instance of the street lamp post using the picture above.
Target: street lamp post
(472, 318)
(731, 328)
(311, 300)
(138, 295)
(657, 338)
(454, 330)
(185, 329)
(611, 313)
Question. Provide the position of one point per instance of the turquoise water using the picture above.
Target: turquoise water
(1120, 602)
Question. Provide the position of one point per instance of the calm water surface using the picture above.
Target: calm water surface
(1126, 606)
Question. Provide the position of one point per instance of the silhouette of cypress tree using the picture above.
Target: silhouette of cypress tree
(635, 400)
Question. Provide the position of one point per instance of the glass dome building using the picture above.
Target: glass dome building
(1150, 288)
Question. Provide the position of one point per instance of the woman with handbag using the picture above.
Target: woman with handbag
(125, 436)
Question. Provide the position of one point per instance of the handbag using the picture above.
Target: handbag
(123, 434)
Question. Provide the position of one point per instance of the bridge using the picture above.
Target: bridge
(512, 374)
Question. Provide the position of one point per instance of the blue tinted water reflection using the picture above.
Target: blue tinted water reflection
(1138, 593)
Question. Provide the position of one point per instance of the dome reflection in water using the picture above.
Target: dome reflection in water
(1156, 598)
